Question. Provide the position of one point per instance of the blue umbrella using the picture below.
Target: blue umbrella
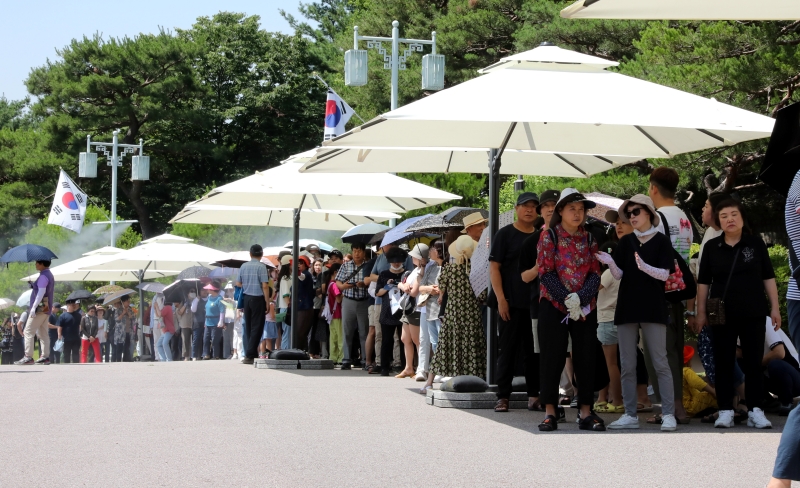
(400, 234)
(27, 253)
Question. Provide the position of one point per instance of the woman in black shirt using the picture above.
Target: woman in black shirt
(390, 322)
(743, 257)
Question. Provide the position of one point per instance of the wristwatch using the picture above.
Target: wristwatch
(689, 313)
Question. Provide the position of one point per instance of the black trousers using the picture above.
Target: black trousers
(387, 344)
(304, 321)
(553, 340)
(72, 351)
(516, 339)
(783, 380)
(255, 310)
(750, 332)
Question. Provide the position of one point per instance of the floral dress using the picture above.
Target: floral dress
(462, 342)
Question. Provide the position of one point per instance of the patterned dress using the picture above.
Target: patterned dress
(462, 343)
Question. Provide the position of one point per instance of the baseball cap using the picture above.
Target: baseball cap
(547, 196)
(526, 197)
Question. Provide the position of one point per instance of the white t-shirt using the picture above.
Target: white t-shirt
(774, 337)
(680, 230)
(101, 330)
(607, 297)
(284, 291)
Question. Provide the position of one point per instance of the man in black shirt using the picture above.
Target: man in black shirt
(69, 325)
(513, 302)
(52, 331)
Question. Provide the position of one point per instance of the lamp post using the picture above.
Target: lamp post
(140, 169)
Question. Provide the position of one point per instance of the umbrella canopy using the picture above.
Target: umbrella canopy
(400, 232)
(194, 272)
(782, 160)
(277, 217)
(103, 290)
(604, 204)
(554, 100)
(284, 187)
(5, 303)
(80, 295)
(113, 297)
(304, 243)
(167, 239)
(176, 292)
(238, 258)
(363, 233)
(27, 253)
(24, 300)
(161, 257)
(73, 270)
(151, 286)
(452, 218)
(223, 272)
(684, 9)
(449, 160)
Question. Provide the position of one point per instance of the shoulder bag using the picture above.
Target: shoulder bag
(715, 307)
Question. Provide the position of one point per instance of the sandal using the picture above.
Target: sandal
(549, 424)
(655, 419)
(641, 407)
(592, 422)
(501, 405)
(610, 408)
(536, 407)
(709, 419)
(424, 389)
(599, 406)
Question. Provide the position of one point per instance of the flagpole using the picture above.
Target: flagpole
(315, 75)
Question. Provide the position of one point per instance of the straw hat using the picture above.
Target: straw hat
(462, 248)
(643, 200)
(474, 218)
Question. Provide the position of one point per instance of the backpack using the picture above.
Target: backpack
(680, 285)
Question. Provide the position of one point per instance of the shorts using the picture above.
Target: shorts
(607, 333)
(374, 315)
(270, 331)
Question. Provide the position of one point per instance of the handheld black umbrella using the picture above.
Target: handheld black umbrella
(782, 160)
(80, 295)
(176, 292)
(363, 233)
(452, 218)
(195, 272)
(151, 286)
(27, 253)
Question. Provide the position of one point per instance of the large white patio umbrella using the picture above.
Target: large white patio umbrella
(72, 270)
(158, 256)
(310, 218)
(447, 160)
(684, 9)
(554, 100)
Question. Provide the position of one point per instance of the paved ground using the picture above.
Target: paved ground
(225, 424)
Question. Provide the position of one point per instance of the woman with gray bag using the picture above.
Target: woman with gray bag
(734, 275)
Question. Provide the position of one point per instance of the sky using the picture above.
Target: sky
(30, 31)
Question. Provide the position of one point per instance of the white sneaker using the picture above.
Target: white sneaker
(445, 379)
(757, 419)
(625, 422)
(725, 419)
(437, 379)
(668, 423)
(420, 377)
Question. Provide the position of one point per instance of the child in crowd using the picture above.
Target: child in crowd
(102, 333)
(270, 332)
(698, 396)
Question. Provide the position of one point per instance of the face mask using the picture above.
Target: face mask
(192, 295)
(396, 267)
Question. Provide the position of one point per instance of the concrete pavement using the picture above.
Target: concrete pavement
(222, 423)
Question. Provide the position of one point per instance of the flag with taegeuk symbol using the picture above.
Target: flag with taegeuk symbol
(337, 113)
(69, 205)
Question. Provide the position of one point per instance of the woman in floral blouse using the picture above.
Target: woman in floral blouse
(569, 276)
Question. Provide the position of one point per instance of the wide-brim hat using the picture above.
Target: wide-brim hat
(570, 195)
(474, 218)
(210, 287)
(420, 251)
(612, 216)
(462, 248)
(643, 200)
(286, 259)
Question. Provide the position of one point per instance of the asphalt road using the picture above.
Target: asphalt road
(221, 423)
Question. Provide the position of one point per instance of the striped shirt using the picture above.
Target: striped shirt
(793, 229)
(251, 275)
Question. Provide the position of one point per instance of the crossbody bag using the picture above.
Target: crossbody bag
(715, 307)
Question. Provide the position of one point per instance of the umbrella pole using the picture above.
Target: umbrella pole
(295, 255)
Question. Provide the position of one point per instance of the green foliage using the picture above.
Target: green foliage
(468, 186)
(779, 256)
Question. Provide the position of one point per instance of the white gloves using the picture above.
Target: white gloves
(573, 304)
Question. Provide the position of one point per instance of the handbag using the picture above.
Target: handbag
(676, 283)
(59, 346)
(715, 307)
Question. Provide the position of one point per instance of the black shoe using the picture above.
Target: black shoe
(44, 361)
(247, 361)
(561, 414)
(357, 363)
(346, 366)
(384, 373)
(549, 424)
(593, 423)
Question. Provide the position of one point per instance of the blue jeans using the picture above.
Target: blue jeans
(793, 311)
(243, 345)
(787, 463)
(197, 341)
(428, 340)
(286, 337)
(162, 347)
(212, 341)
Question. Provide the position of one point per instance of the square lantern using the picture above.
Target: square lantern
(141, 168)
(87, 165)
(433, 72)
(355, 67)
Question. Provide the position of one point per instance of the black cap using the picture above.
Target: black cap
(337, 253)
(256, 250)
(56, 305)
(526, 197)
(548, 196)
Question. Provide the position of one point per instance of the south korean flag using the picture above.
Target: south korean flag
(69, 205)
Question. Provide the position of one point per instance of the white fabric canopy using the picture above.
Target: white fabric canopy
(167, 239)
(72, 270)
(158, 257)
(567, 106)
(684, 9)
(284, 187)
(276, 217)
(443, 160)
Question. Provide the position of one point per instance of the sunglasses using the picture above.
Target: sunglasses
(633, 213)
